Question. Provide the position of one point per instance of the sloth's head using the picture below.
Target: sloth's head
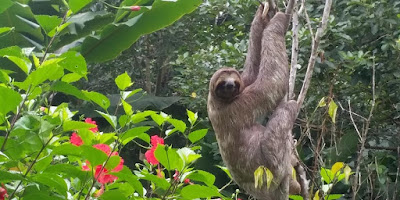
(226, 84)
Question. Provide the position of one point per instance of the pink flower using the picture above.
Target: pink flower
(176, 175)
(3, 192)
(75, 139)
(150, 156)
(90, 121)
(105, 148)
(155, 141)
(187, 181)
(98, 193)
(134, 8)
(101, 173)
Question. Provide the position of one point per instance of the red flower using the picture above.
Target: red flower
(134, 8)
(150, 156)
(100, 174)
(155, 141)
(176, 175)
(75, 139)
(3, 192)
(90, 121)
(187, 181)
(105, 148)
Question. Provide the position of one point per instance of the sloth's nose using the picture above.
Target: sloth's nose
(229, 85)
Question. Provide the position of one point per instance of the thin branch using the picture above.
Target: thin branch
(356, 182)
(397, 174)
(314, 52)
(295, 50)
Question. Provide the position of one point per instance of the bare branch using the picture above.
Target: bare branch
(295, 49)
(314, 51)
(356, 182)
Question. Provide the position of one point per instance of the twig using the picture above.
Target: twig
(295, 50)
(397, 174)
(31, 166)
(363, 136)
(314, 52)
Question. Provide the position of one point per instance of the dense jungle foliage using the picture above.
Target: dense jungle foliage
(107, 99)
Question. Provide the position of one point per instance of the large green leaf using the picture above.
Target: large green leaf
(81, 25)
(77, 5)
(48, 23)
(9, 100)
(66, 88)
(168, 157)
(203, 176)
(27, 31)
(7, 176)
(117, 37)
(133, 133)
(53, 181)
(5, 4)
(126, 175)
(199, 191)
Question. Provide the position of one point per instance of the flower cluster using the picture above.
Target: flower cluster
(155, 141)
(101, 173)
(3, 192)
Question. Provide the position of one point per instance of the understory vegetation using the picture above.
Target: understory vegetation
(107, 99)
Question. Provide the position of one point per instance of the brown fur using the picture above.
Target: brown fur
(244, 143)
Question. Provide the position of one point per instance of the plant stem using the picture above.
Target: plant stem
(30, 167)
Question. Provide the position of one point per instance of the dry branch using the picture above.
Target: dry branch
(314, 52)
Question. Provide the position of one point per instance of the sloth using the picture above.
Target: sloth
(237, 101)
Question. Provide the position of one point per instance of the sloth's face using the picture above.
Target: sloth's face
(227, 86)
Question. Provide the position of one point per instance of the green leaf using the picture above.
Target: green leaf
(168, 157)
(67, 170)
(332, 110)
(188, 155)
(197, 135)
(123, 81)
(8, 177)
(117, 37)
(127, 107)
(133, 133)
(27, 31)
(93, 155)
(112, 195)
(5, 4)
(52, 181)
(66, 88)
(75, 125)
(178, 124)
(159, 119)
(9, 100)
(270, 177)
(77, 5)
(74, 62)
(42, 163)
(295, 197)
(347, 173)
(67, 149)
(322, 102)
(98, 98)
(199, 191)
(112, 120)
(159, 182)
(24, 65)
(226, 171)
(48, 23)
(333, 196)
(326, 175)
(5, 30)
(258, 177)
(203, 176)
(113, 162)
(126, 175)
(192, 117)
